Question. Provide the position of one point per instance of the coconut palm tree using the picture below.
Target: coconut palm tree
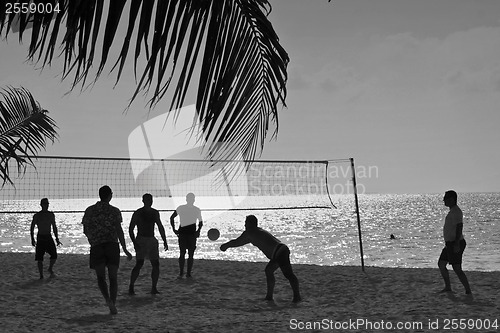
(229, 44)
(25, 129)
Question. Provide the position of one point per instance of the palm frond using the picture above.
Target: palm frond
(24, 130)
(233, 45)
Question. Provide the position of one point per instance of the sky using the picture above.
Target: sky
(409, 89)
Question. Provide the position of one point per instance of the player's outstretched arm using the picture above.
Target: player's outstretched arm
(240, 241)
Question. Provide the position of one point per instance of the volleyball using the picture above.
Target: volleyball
(213, 234)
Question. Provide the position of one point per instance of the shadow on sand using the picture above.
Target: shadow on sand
(90, 319)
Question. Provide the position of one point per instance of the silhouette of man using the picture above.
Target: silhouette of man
(102, 226)
(187, 233)
(44, 220)
(454, 243)
(146, 244)
(277, 252)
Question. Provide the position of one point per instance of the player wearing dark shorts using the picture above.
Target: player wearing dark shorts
(454, 243)
(44, 220)
(102, 226)
(107, 254)
(146, 244)
(277, 252)
(449, 255)
(45, 244)
(187, 238)
(187, 232)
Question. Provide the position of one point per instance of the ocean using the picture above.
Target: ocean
(315, 234)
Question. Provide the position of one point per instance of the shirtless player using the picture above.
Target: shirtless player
(44, 243)
(277, 252)
(146, 244)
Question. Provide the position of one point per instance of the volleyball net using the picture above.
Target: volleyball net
(71, 184)
(228, 184)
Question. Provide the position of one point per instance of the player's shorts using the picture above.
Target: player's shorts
(187, 242)
(450, 256)
(281, 255)
(147, 248)
(105, 253)
(45, 244)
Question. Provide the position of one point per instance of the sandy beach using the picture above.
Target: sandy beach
(227, 296)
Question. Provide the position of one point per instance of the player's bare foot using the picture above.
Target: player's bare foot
(297, 299)
(112, 308)
(131, 291)
(154, 291)
(446, 290)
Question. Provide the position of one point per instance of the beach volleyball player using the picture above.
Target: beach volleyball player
(454, 243)
(102, 226)
(44, 220)
(187, 232)
(277, 252)
(146, 244)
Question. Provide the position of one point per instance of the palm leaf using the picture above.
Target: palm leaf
(230, 44)
(24, 130)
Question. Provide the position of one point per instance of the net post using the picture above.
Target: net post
(327, 185)
(357, 213)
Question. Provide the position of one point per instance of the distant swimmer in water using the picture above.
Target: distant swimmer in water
(392, 236)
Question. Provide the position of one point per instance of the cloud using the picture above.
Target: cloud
(403, 67)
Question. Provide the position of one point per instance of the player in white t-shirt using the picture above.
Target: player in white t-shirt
(187, 232)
